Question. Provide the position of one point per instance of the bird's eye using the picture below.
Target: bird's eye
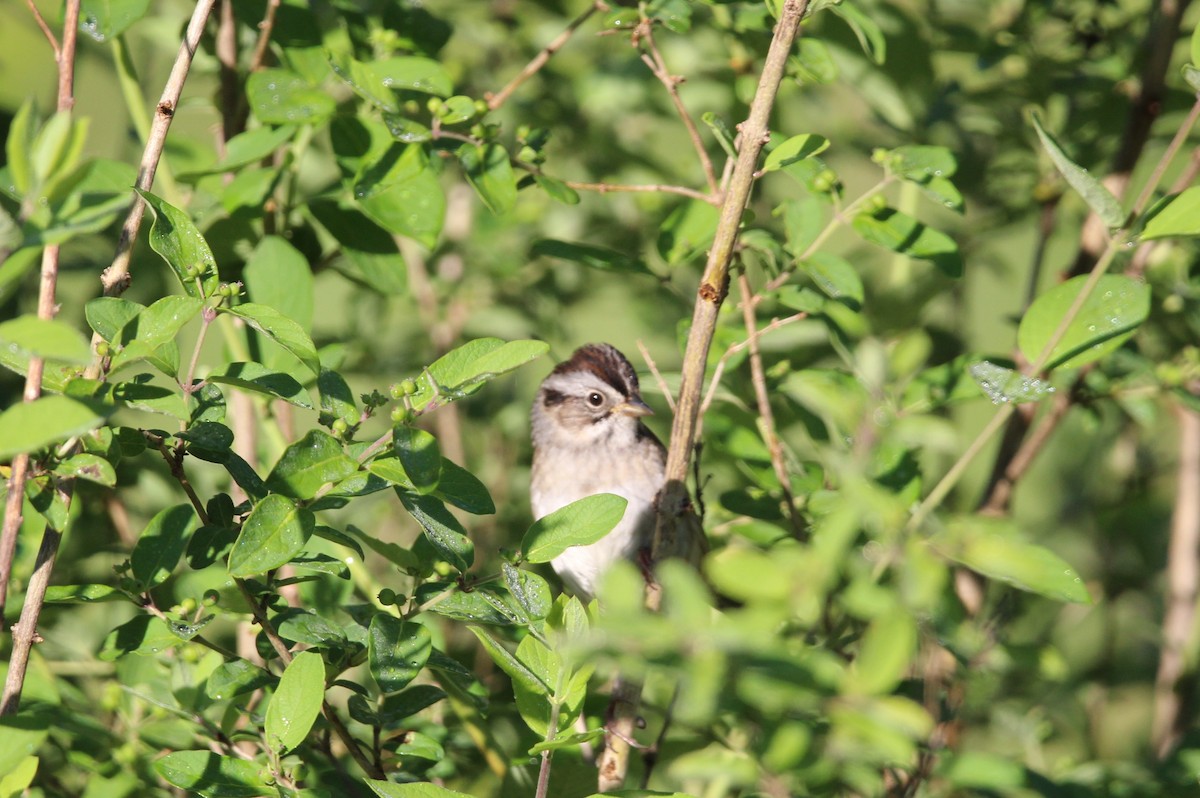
(595, 399)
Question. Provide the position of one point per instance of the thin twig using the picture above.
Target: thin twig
(498, 99)
(654, 60)
(49, 34)
(258, 60)
(1183, 578)
(116, 277)
(1000, 495)
(759, 380)
(658, 378)
(733, 349)
(26, 633)
(285, 656)
(669, 534)
(1115, 244)
(614, 188)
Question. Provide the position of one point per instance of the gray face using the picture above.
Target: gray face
(591, 397)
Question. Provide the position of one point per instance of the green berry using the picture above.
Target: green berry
(211, 597)
(340, 427)
(481, 107)
(387, 597)
(408, 387)
(434, 105)
(401, 415)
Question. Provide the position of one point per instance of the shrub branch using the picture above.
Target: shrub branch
(673, 500)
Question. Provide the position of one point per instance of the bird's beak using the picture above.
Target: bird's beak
(635, 408)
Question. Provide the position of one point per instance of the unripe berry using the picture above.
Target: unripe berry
(387, 597)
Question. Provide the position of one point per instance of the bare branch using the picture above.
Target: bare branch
(683, 191)
(116, 277)
(25, 633)
(1183, 578)
(759, 379)
(258, 60)
(498, 99)
(653, 59)
(673, 500)
(49, 34)
(658, 378)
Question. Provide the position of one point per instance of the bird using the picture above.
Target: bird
(589, 438)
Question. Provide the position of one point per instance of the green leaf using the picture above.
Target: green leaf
(387, 789)
(280, 97)
(396, 651)
(812, 62)
(1180, 216)
(991, 548)
(529, 591)
(23, 734)
(557, 189)
(174, 237)
(885, 654)
(420, 455)
(375, 81)
(235, 678)
(415, 208)
(280, 329)
(142, 634)
(278, 276)
(55, 150)
(574, 741)
(457, 109)
(249, 147)
(409, 702)
(107, 19)
(27, 426)
(721, 132)
(260, 379)
(275, 531)
(1005, 385)
(442, 529)
(589, 255)
(90, 467)
(371, 254)
(212, 775)
(490, 604)
(687, 232)
(28, 337)
(150, 335)
(309, 464)
(16, 781)
(1098, 198)
(161, 544)
(836, 278)
(461, 488)
(19, 144)
(870, 36)
(296, 702)
(516, 670)
(463, 369)
(108, 315)
(490, 173)
(83, 594)
(794, 149)
(1108, 317)
(901, 233)
(577, 524)
(337, 400)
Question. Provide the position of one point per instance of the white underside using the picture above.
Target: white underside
(558, 484)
